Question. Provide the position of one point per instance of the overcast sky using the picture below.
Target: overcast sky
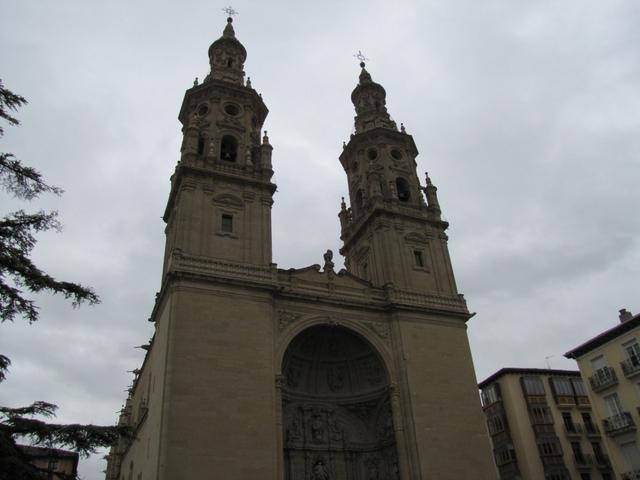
(526, 115)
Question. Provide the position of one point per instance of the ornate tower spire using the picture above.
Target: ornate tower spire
(227, 56)
(390, 234)
(369, 98)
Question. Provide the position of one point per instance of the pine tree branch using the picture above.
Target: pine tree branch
(9, 101)
(83, 439)
(45, 409)
(16, 242)
(4, 367)
(22, 181)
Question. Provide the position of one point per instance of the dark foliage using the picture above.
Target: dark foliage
(18, 272)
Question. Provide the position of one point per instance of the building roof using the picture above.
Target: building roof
(604, 337)
(41, 452)
(527, 371)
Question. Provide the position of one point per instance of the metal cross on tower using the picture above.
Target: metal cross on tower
(360, 56)
(230, 11)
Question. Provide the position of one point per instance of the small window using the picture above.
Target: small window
(359, 200)
(203, 109)
(404, 193)
(395, 153)
(229, 148)
(230, 62)
(227, 223)
(200, 145)
(417, 255)
(372, 154)
(533, 385)
(562, 386)
(578, 387)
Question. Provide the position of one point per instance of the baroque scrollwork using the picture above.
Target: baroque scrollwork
(285, 318)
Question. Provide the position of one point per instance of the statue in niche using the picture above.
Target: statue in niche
(319, 470)
(294, 431)
(385, 428)
(395, 471)
(372, 372)
(293, 376)
(335, 432)
(372, 469)
(335, 377)
(317, 429)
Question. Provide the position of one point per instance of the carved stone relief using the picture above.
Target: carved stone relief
(286, 318)
(336, 428)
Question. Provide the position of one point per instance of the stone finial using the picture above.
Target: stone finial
(344, 145)
(328, 261)
(427, 180)
(195, 82)
(343, 206)
(248, 82)
(265, 139)
(402, 129)
(625, 315)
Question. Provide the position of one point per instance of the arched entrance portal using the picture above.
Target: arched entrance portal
(337, 422)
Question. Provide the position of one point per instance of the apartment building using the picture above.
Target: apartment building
(542, 426)
(610, 365)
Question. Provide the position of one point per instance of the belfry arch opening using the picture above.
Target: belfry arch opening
(337, 421)
(229, 148)
(404, 191)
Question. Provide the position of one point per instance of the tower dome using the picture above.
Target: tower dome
(227, 56)
(369, 100)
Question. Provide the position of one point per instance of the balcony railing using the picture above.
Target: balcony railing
(583, 460)
(632, 475)
(631, 366)
(573, 429)
(591, 429)
(603, 378)
(617, 424)
(602, 461)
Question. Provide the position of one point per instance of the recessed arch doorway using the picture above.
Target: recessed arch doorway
(337, 421)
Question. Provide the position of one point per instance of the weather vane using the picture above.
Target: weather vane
(230, 11)
(360, 56)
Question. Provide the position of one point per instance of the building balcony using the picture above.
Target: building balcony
(632, 475)
(602, 461)
(583, 461)
(603, 378)
(619, 424)
(592, 430)
(573, 430)
(631, 367)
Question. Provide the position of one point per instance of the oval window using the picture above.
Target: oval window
(231, 109)
(372, 154)
(395, 153)
(203, 110)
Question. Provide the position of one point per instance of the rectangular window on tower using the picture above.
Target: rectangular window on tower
(419, 260)
(227, 223)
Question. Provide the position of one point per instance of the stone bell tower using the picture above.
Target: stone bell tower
(221, 191)
(390, 235)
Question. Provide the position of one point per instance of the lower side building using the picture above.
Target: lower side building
(542, 426)
(610, 366)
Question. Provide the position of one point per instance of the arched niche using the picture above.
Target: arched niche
(336, 413)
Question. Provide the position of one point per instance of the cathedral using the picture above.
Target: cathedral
(257, 372)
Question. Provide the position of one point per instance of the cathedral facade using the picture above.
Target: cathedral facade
(257, 372)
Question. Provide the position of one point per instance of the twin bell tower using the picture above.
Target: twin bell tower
(256, 372)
